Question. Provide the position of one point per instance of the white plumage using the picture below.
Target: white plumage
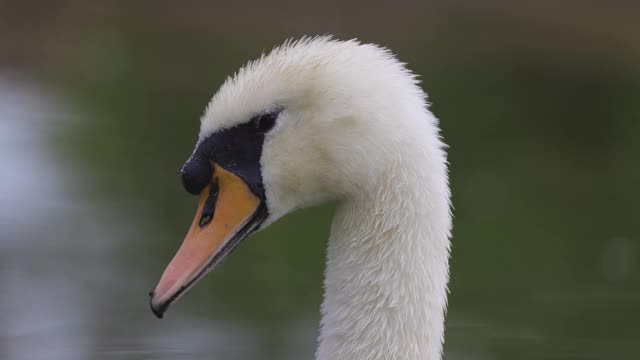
(355, 129)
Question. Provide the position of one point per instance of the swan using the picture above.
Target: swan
(318, 120)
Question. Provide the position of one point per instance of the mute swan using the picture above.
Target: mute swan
(321, 120)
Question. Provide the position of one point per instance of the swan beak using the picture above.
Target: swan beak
(228, 211)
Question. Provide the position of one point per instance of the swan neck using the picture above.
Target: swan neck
(387, 270)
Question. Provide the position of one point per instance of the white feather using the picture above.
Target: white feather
(356, 129)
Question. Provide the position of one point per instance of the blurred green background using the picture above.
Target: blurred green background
(100, 106)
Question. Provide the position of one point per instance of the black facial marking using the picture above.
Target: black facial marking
(196, 174)
(237, 149)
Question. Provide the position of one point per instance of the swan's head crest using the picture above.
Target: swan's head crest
(340, 105)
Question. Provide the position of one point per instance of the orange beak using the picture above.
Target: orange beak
(228, 211)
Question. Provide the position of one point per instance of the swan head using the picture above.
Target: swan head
(314, 120)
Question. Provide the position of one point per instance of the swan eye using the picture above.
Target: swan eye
(264, 122)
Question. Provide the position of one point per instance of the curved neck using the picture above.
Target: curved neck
(387, 269)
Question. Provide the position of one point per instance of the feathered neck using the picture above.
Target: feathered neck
(387, 266)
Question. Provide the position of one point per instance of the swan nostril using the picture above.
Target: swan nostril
(210, 205)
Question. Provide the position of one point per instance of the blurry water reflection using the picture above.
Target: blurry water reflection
(60, 275)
